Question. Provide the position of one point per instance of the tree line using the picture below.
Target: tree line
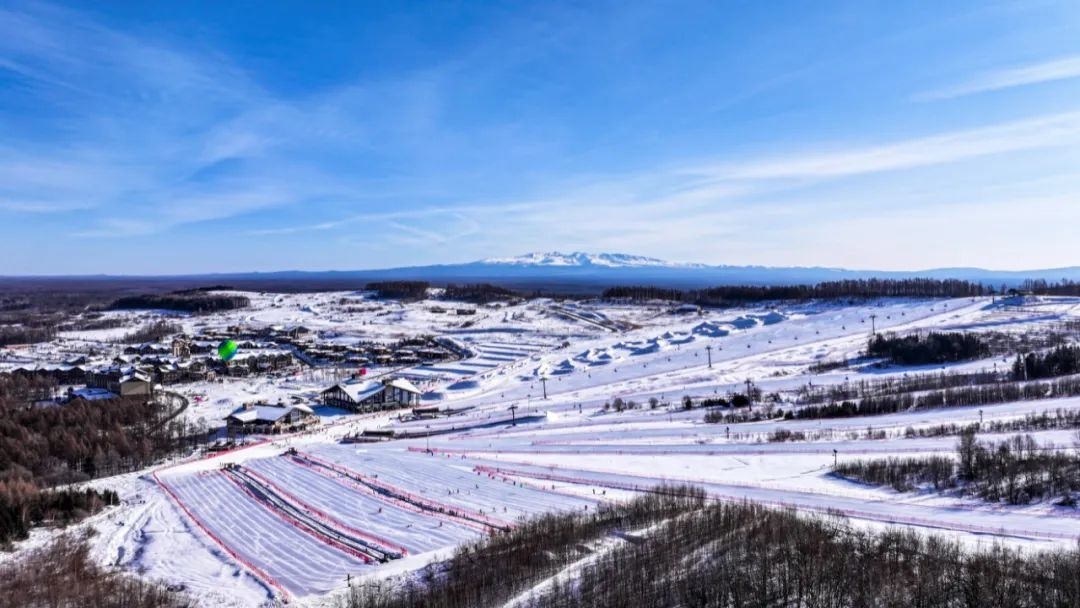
(23, 506)
(1016, 471)
(1044, 421)
(720, 555)
(28, 327)
(926, 349)
(42, 447)
(479, 293)
(1061, 361)
(1002, 392)
(489, 572)
(399, 290)
(733, 295)
(64, 574)
(153, 332)
(195, 303)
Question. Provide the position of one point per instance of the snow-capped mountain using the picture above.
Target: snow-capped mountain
(581, 259)
(580, 272)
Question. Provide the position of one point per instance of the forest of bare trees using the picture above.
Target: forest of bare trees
(722, 555)
(734, 295)
(399, 290)
(930, 348)
(480, 293)
(192, 302)
(62, 574)
(42, 447)
(1015, 471)
(152, 332)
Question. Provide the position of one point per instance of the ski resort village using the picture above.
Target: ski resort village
(358, 439)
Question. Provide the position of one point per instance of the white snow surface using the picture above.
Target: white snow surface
(558, 449)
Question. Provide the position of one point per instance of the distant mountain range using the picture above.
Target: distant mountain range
(581, 259)
(578, 271)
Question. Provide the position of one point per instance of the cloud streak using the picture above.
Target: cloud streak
(1064, 68)
(1032, 133)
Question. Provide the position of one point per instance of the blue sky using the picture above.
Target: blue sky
(161, 138)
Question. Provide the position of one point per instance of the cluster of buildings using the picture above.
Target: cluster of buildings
(140, 367)
(356, 395)
(137, 369)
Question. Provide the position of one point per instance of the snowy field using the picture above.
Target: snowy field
(302, 517)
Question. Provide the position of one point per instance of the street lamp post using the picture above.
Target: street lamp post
(513, 415)
(543, 382)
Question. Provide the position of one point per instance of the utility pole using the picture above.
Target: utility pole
(708, 349)
(543, 381)
(873, 325)
(513, 415)
(750, 395)
(834, 453)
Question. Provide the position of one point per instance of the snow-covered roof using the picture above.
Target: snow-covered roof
(358, 391)
(266, 413)
(405, 385)
(134, 377)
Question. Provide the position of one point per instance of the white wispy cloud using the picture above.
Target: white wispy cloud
(680, 208)
(158, 136)
(949, 147)
(1063, 68)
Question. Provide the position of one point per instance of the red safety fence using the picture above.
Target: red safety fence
(292, 522)
(257, 572)
(326, 518)
(432, 506)
(585, 451)
(352, 484)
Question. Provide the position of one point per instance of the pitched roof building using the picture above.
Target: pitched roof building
(371, 395)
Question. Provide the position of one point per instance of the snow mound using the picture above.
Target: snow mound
(566, 366)
(710, 330)
(463, 385)
(772, 318)
(594, 357)
(745, 323)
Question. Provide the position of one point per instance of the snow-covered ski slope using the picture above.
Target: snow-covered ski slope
(478, 471)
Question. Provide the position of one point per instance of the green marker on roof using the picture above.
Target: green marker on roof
(227, 350)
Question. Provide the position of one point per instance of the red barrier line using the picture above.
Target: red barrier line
(263, 576)
(433, 506)
(329, 520)
(542, 488)
(210, 455)
(448, 512)
(430, 503)
(285, 518)
(856, 514)
(588, 452)
(690, 480)
(352, 484)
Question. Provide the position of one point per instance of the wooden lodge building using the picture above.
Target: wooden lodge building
(372, 395)
(260, 419)
(121, 381)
